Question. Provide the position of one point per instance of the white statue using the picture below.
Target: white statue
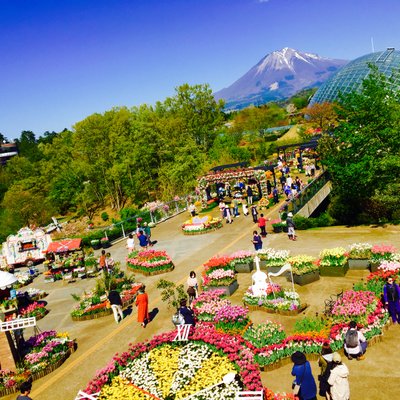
(259, 278)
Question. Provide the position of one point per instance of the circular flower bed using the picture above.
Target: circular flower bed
(164, 370)
(198, 225)
(150, 262)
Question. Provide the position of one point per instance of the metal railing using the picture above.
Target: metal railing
(155, 215)
(307, 193)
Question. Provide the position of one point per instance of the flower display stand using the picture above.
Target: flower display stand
(305, 279)
(244, 267)
(358, 264)
(333, 271)
(229, 290)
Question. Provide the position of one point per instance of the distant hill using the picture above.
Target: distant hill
(278, 76)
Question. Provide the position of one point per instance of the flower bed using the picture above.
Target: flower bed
(47, 351)
(359, 306)
(376, 281)
(208, 303)
(199, 225)
(165, 370)
(273, 258)
(242, 261)
(276, 300)
(360, 251)
(265, 334)
(92, 306)
(232, 319)
(302, 264)
(382, 252)
(36, 309)
(149, 262)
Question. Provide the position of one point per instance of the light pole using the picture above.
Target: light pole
(227, 379)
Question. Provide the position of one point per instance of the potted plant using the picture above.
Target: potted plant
(242, 261)
(221, 279)
(380, 253)
(304, 269)
(333, 262)
(273, 260)
(95, 243)
(105, 242)
(359, 255)
(277, 227)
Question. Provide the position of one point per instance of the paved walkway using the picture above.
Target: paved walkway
(98, 340)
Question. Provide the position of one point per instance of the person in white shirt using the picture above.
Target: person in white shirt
(130, 243)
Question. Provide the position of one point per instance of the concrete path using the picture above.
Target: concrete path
(98, 340)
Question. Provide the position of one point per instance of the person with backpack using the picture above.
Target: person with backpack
(391, 295)
(355, 344)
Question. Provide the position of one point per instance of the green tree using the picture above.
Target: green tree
(363, 155)
(201, 115)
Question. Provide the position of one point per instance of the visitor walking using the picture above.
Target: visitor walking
(254, 213)
(102, 260)
(325, 363)
(143, 242)
(262, 222)
(257, 241)
(391, 295)
(339, 379)
(116, 305)
(187, 312)
(245, 210)
(249, 192)
(147, 232)
(303, 377)
(192, 210)
(109, 263)
(130, 243)
(275, 195)
(228, 215)
(355, 344)
(193, 286)
(25, 389)
(142, 303)
(235, 202)
(222, 207)
(291, 225)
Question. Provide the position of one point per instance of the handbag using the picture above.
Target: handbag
(297, 386)
(191, 291)
(178, 319)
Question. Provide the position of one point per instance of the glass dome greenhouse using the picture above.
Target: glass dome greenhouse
(350, 77)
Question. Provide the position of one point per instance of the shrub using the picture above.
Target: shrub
(104, 216)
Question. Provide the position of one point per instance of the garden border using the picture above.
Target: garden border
(151, 273)
(40, 374)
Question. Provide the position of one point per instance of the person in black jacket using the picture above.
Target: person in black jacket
(116, 305)
(187, 313)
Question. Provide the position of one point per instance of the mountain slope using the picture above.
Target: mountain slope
(279, 75)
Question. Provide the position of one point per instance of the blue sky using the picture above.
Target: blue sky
(61, 61)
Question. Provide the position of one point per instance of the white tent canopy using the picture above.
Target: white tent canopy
(6, 280)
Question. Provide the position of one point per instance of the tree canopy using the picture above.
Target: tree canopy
(363, 155)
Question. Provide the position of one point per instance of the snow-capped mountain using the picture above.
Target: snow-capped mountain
(279, 75)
